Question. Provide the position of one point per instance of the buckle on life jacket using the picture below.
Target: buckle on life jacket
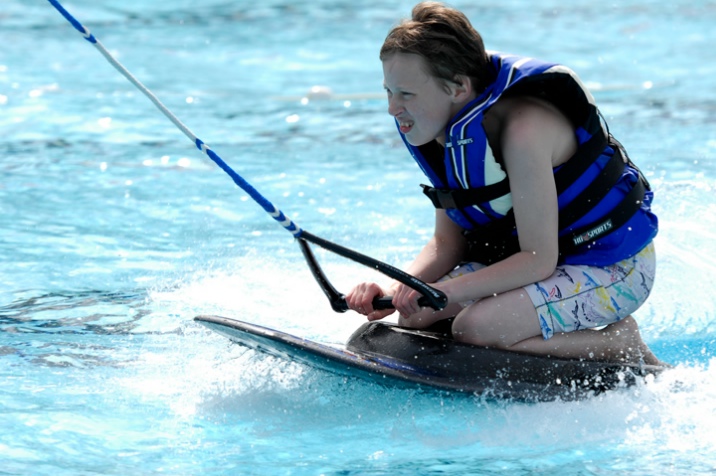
(440, 198)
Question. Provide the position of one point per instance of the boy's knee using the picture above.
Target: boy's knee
(472, 327)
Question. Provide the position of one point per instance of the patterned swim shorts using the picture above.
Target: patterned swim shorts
(579, 297)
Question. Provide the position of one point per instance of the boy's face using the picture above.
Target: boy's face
(421, 104)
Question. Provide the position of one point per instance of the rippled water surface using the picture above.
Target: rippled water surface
(115, 232)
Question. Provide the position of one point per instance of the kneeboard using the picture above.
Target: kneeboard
(402, 357)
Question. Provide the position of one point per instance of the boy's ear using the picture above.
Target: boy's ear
(461, 88)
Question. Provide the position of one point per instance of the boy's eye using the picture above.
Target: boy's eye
(403, 94)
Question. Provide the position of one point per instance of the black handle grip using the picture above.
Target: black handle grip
(386, 302)
(433, 297)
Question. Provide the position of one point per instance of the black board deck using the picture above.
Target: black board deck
(401, 357)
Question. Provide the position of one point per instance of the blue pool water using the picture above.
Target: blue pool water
(115, 232)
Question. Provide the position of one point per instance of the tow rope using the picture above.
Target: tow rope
(431, 297)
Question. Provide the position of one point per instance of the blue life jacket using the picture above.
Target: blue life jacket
(604, 200)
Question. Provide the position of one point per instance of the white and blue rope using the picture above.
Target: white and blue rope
(275, 213)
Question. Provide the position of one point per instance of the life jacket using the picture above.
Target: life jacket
(604, 200)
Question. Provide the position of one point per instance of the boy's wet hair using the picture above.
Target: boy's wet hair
(447, 41)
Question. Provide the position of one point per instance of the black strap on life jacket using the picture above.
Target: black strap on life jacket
(563, 177)
(463, 198)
